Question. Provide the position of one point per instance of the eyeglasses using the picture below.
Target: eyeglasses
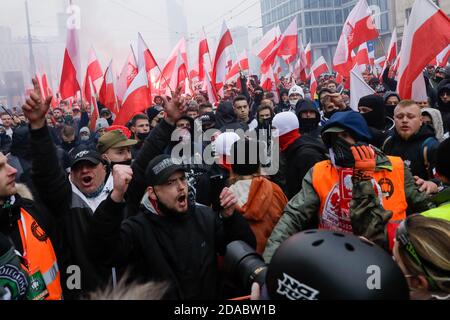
(403, 239)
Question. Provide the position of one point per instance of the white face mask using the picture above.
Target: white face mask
(293, 102)
(84, 138)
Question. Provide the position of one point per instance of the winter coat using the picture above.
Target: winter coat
(302, 212)
(418, 151)
(180, 249)
(301, 156)
(261, 202)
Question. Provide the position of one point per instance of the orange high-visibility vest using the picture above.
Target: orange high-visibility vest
(325, 179)
(39, 254)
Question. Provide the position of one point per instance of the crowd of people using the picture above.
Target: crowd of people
(85, 205)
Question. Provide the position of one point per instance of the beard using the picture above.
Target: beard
(165, 210)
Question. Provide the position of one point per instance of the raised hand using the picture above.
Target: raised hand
(36, 107)
(122, 175)
(174, 108)
(365, 161)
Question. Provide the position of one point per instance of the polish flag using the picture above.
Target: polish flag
(94, 71)
(179, 75)
(285, 48)
(240, 65)
(427, 34)
(203, 49)
(308, 54)
(94, 107)
(359, 88)
(136, 100)
(441, 59)
(267, 43)
(358, 28)
(194, 72)
(43, 84)
(302, 62)
(392, 51)
(170, 63)
(145, 57)
(107, 94)
(362, 56)
(319, 67)
(208, 86)
(70, 82)
(267, 80)
(127, 75)
(220, 59)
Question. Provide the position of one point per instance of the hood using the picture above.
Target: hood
(225, 114)
(352, 121)
(374, 118)
(306, 105)
(259, 199)
(424, 132)
(438, 124)
(444, 85)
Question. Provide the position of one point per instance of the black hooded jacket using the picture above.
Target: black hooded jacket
(301, 156)
(376, 119)
(444, 108)
(412, 150)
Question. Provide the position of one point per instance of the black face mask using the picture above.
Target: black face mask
(307, 125)
(438, 79)
(126, 163)
(110, 121)
(142, 136)
(389, 110)
(258, 98)
(343, 156)
(330, 113)
(373, 120)
(265, 124)
(67, 146)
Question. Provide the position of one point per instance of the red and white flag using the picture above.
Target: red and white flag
(441, 59)
(362, 56)
(285, 48)
(43, 84)
(308, 54)
(94, 107)
(127, 75)
(427, 34)
(203, 49)
(392, 51)
(194, 72)
(267, 43)
(358, 28)
(358, 87)
(240, 65)
(169, 65)
(94, 71)
(319, 67)
(70, 82)
(107, 94)
(136, 100)
(208, 86)
(220, 59)
(145, 57)
(268, 80)
(180, 74)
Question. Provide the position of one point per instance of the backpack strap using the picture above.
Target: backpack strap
(386, 141)
(425, 154)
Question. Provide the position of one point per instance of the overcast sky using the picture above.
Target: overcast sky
(111, 25)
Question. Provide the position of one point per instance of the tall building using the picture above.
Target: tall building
(177, 21)
(321, 21)
(402, 10)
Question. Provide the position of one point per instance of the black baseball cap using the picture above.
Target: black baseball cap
(84, 154)
(160, 169)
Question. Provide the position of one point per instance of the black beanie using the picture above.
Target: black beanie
(375, 118)
(442, 156)
(244, 154)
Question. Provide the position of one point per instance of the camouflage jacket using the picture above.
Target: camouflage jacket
(367, 215)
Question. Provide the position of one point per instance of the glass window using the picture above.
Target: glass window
(337, 3)
(338, 32)
(329, 3)
(323, 17)
(330, 17)
(315, 18)
(308, 18)
(316, 35)
(322, 4)
(308, 35)
(384, 22)
(338, 16)
(314, 4)
(324, 34)
(299, 20)
(383, 5)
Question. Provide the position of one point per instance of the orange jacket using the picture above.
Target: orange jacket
(39, 254)
(263, 209)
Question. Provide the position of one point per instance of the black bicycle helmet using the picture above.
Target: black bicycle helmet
(327, 265)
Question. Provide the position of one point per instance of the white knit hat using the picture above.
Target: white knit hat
(284, 122)
(224, 142)
(296, 89)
